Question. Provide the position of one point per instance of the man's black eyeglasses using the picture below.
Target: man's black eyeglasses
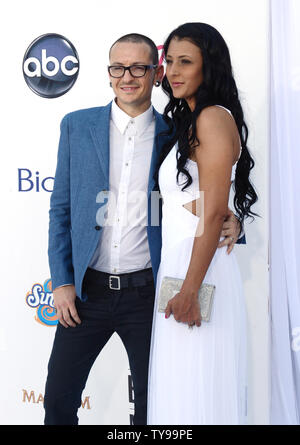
(135, 70)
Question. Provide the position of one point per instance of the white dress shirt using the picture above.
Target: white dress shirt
(123, 245)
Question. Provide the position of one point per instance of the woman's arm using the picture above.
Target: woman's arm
(216, 132)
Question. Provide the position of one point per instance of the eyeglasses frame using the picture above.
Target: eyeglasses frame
(146, 67)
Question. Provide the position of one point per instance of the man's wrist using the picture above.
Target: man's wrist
(63, 285)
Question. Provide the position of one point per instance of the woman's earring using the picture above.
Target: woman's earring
(110, 84)
(157, 83)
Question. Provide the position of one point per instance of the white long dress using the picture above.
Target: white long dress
(196, 376)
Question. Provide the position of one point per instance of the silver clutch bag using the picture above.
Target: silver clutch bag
(171, 286)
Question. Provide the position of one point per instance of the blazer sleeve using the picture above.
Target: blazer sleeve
(59, 235)
(242, 237)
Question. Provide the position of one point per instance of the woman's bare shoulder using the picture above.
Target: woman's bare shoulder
(215, 121)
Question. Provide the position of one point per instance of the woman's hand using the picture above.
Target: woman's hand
(231, 230)
(185, 307)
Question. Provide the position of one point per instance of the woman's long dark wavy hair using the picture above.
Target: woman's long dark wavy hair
(218, 88)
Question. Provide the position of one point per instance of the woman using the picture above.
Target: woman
(198, 375)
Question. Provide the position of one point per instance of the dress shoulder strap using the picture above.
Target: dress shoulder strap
(221, 106)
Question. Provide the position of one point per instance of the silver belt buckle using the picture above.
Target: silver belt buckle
(110, 284)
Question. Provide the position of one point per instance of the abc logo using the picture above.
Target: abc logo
(51, 65)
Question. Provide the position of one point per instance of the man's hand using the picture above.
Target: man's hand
(64, 303)
(231, 230)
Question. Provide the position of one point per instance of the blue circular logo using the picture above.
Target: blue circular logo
(51, 65)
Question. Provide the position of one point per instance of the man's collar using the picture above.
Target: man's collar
(122, 119)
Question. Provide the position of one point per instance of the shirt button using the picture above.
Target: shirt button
(97, 227)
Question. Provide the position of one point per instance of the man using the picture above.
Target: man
(103, 275)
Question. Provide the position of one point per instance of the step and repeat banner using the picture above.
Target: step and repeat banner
(54, 60)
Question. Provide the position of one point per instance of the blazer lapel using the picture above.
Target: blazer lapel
(100, 134)
(160, 126)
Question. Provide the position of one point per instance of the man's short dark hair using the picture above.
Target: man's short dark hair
(140, 38)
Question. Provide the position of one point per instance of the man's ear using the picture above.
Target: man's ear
(159, 74)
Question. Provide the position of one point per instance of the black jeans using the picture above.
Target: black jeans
(128, 312)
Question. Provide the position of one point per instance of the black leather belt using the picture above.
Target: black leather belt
(118, 282)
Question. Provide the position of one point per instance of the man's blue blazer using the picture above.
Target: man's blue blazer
(82, 172)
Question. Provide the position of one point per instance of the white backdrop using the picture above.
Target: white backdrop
(29, 135)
